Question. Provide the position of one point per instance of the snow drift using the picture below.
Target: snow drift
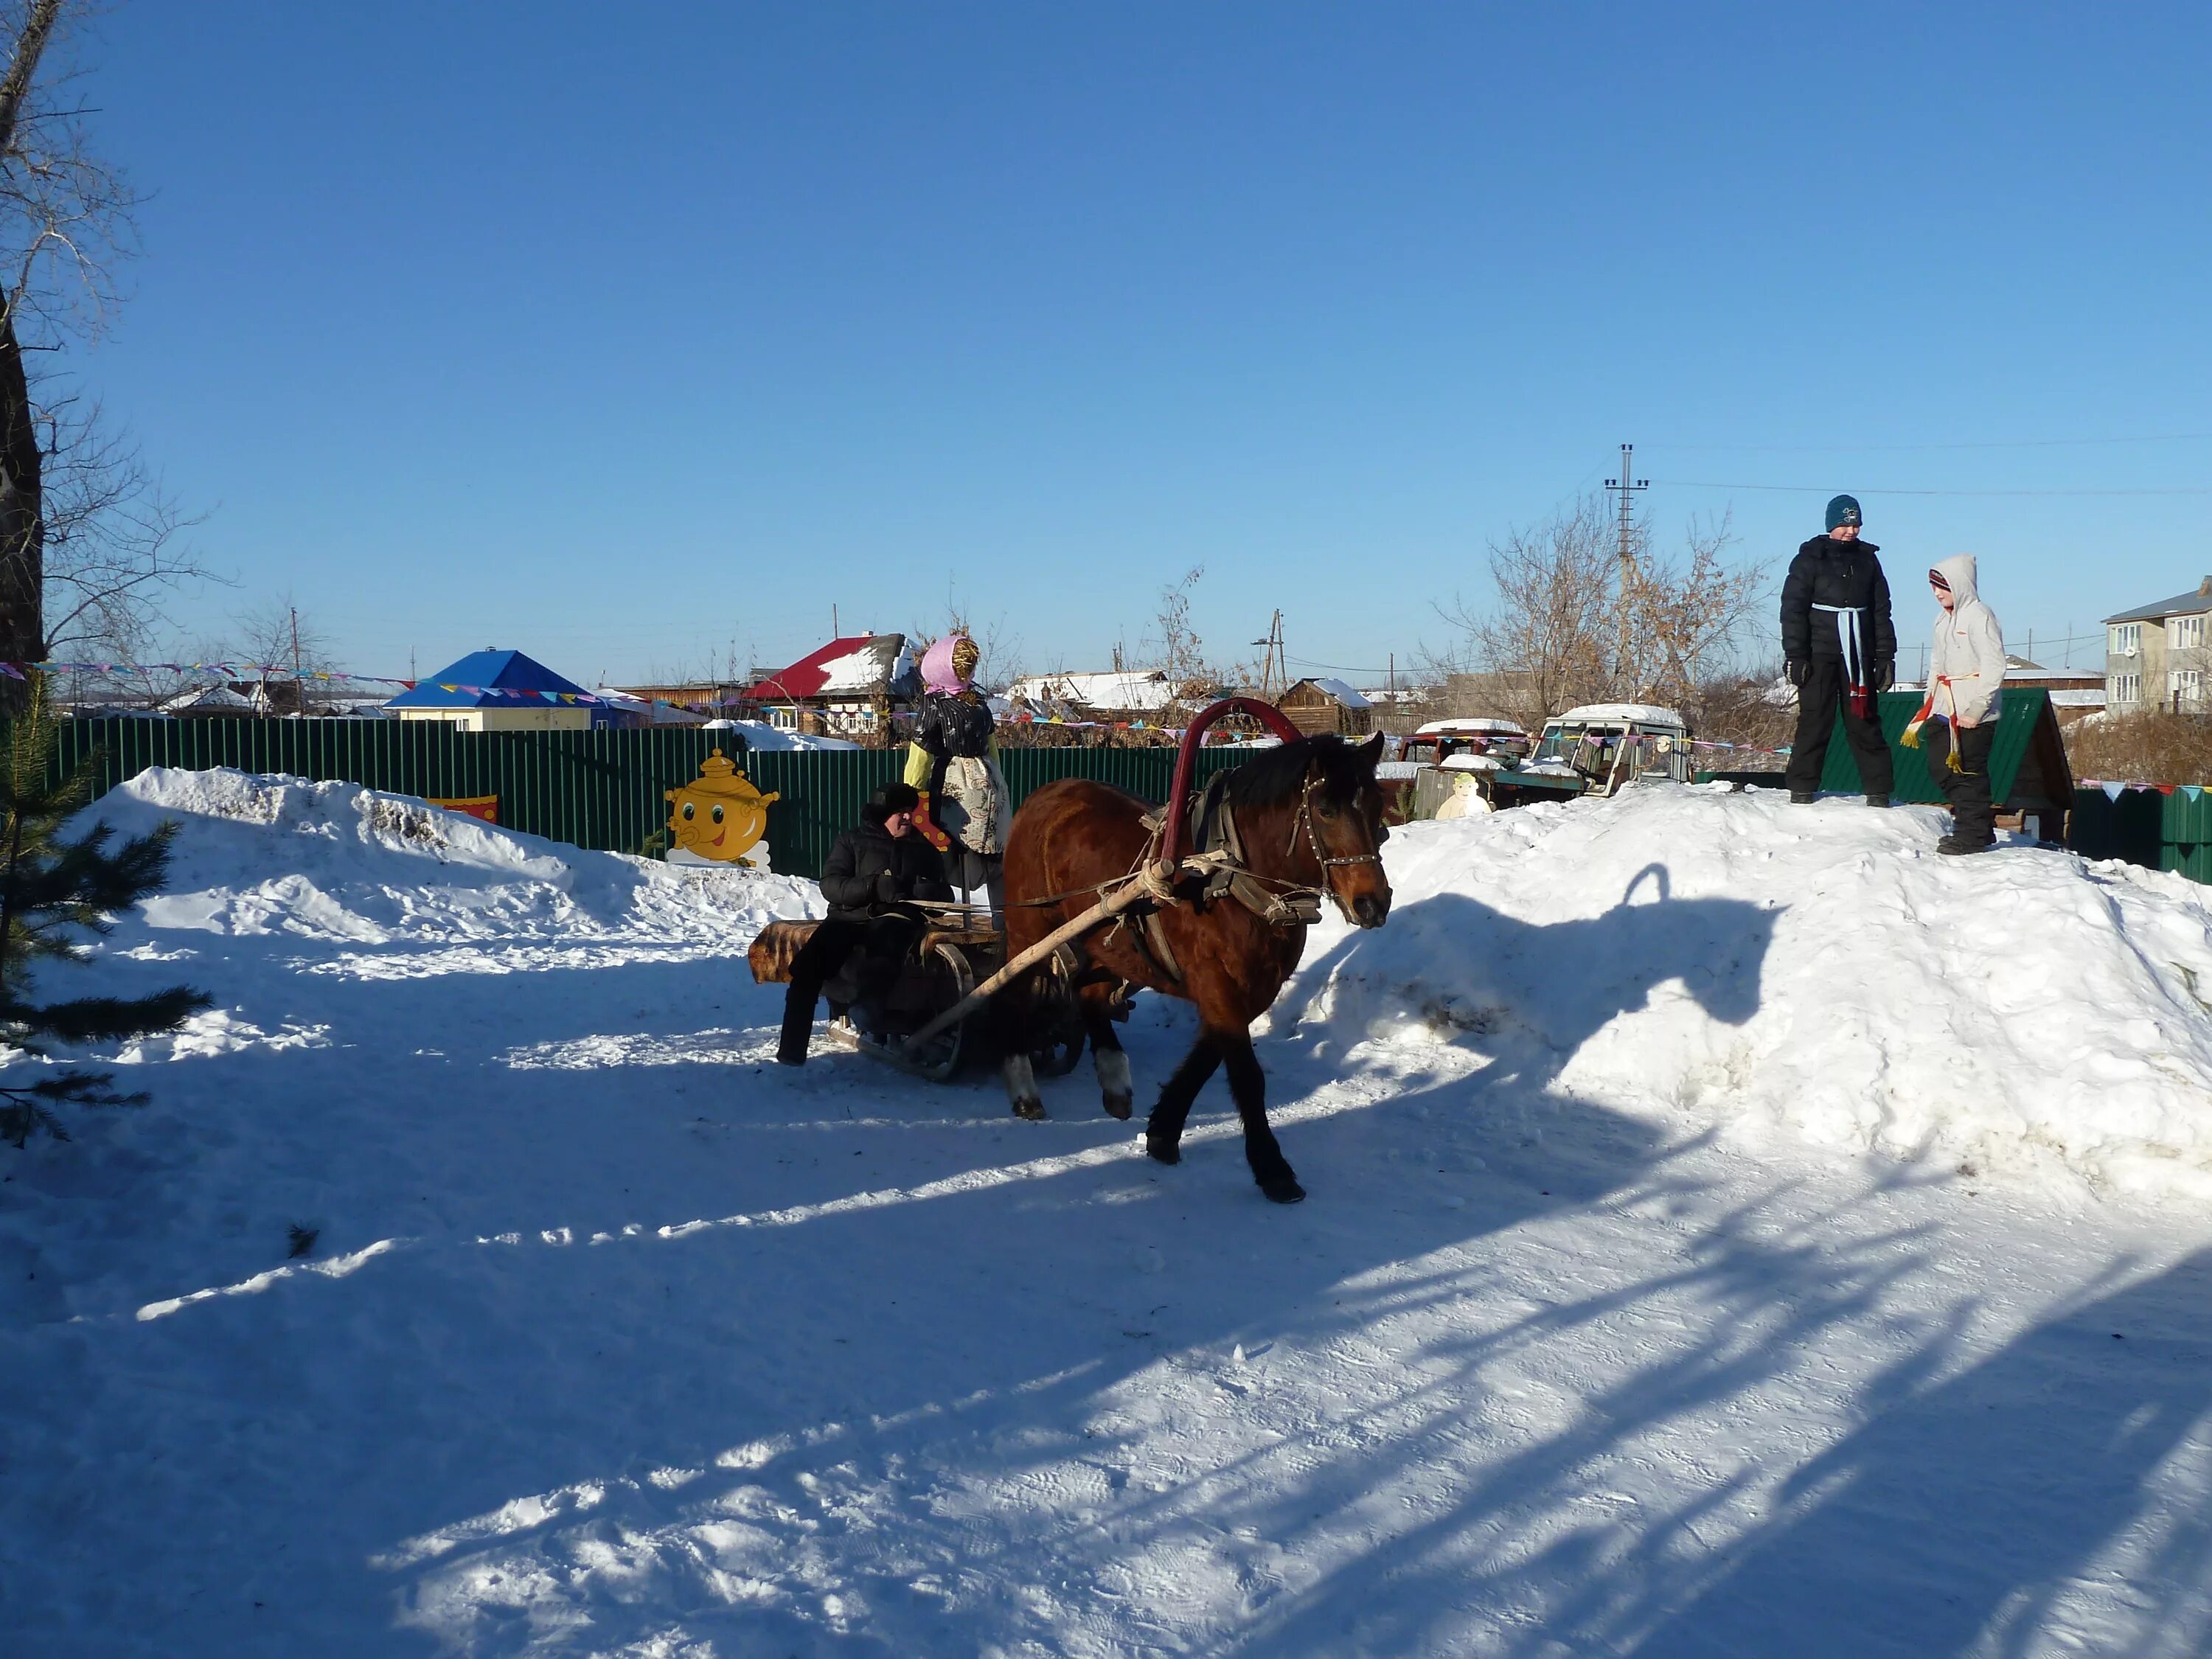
(338, 862)
(1727, 957)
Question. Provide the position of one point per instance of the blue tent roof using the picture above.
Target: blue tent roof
(489, 679)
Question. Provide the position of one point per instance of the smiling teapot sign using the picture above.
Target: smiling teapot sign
(718, 817)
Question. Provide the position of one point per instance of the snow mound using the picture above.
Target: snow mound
(335, 862)
(759, 734)
(1728, 958)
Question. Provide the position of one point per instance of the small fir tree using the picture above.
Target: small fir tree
(54, 892)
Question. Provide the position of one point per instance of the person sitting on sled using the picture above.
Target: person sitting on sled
(953, 763)
(874, 873)
(1841, 651)
(1956, 727)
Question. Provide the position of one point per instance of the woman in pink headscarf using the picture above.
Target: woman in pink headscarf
(953, 763)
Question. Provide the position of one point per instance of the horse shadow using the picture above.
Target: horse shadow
(1530, 995)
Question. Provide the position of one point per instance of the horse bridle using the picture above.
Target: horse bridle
(1313, 837)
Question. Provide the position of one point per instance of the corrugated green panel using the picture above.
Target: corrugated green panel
(604, 788)
(2130, 826)
(2184, 817)
(2015, 727)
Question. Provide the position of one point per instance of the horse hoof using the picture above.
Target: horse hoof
(1029, 1111)
(1163, 1151)
(1283, 1189)
(1120, 1106)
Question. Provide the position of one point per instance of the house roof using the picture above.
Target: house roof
(209, 696)
(1124, 688)
(1339, 689)
(485, 679)
(851, 666)
(2197, 598)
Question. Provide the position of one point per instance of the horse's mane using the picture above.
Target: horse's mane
(1273, 777)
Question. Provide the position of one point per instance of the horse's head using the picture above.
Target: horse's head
(1342, 808)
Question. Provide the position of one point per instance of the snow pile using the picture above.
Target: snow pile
(1729, 957)
(759, 734)
(335, 862)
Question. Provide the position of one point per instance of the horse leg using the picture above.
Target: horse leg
(1011, 1016)
(1108, 1058)
(1247, 1085)
(1164, 1129)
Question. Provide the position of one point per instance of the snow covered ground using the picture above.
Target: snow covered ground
(1733, 1230)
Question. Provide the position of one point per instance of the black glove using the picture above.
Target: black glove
(886, 889)
(1799, 672)
(1885, 675)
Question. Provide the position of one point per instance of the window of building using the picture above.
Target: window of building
(2127, 639)
(2184, 633)
(2187, 684)
(2124, 689)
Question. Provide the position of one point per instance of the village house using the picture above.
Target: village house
(1318, 705)
(497, 691)
(848, 688)
(2155, 654)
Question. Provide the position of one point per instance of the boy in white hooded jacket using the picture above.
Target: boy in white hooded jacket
(1966, 671)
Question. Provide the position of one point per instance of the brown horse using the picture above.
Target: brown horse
(1309, 818)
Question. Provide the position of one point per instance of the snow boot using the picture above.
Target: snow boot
(1954, 847)
(1801, 797)
(1877, 800)
(797, 1032)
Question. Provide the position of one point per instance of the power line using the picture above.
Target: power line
(1896, 449)
(1825, 489)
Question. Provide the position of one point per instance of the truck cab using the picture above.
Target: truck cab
(1612, 744)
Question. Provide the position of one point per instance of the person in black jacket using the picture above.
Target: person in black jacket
(1841, 649)
(872, 874)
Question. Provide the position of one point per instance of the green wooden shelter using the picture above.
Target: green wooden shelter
(2028, 772)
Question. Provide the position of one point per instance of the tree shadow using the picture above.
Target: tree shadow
(1969, 1505)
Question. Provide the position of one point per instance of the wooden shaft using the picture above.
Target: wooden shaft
(1113, 904)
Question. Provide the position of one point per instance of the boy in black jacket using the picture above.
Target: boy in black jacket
(1841, 649)
(871, 873)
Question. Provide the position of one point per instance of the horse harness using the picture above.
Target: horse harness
(1220, 847)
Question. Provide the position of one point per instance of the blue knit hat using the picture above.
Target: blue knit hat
(1844, 509)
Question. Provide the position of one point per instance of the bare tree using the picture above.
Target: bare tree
(1571, 624)
(1547, 644)
(1685, 615)
(87, 540)
(1179, 652)
(282, 653)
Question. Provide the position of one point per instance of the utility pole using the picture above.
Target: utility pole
(1626, 486)
(1272, 658)
(299, 688)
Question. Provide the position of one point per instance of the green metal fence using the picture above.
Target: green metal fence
(2158, 829)
(602, 789)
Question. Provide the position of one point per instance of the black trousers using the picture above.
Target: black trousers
(883, 942)
(1825, 694)
(1973, 817)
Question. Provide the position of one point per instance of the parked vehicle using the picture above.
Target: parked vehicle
(1608, 744)
(1476, 744)
(1460, 766)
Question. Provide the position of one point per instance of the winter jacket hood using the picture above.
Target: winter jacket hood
(1969, 647)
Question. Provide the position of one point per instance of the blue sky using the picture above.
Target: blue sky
(621, 335)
